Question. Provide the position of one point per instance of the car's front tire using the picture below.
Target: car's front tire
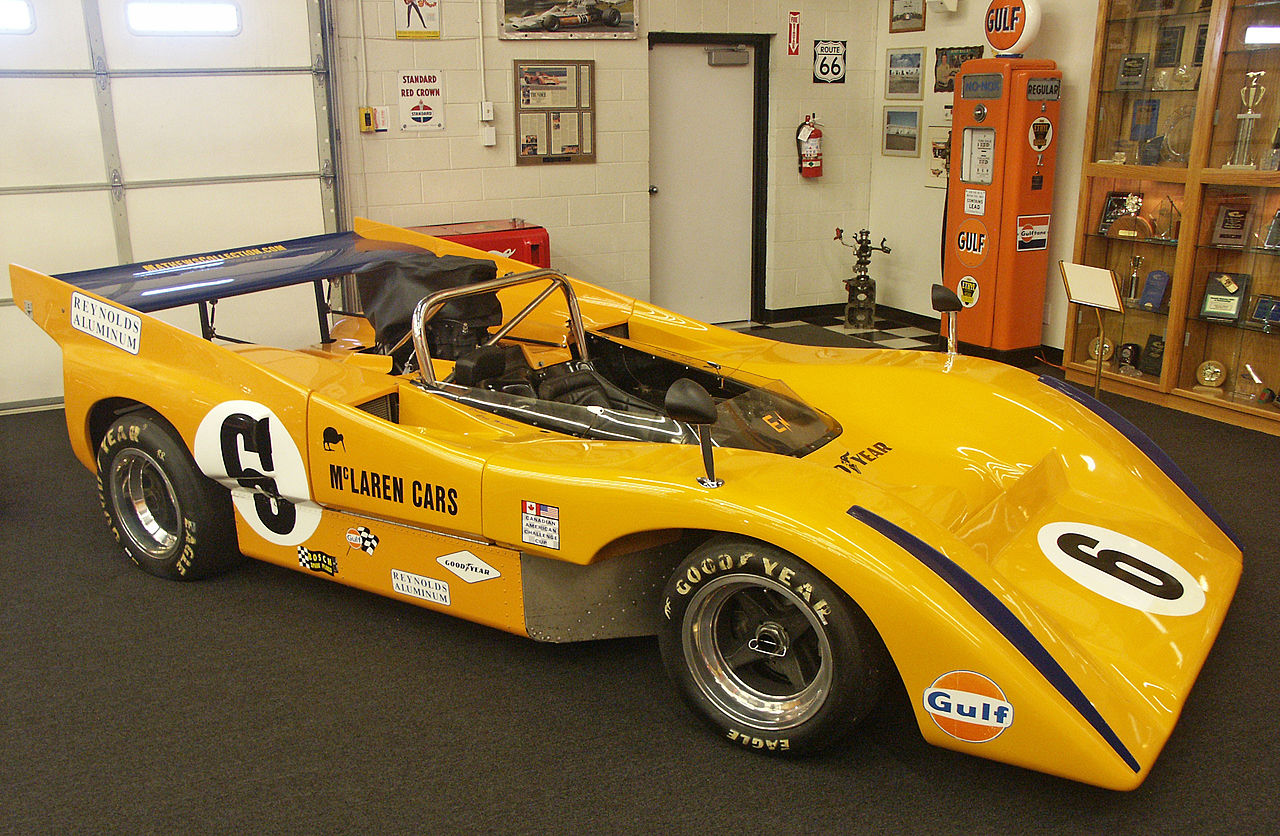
(551, 23)
(766, 649)
(172, 520)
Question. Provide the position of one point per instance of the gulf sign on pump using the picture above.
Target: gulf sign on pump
(968, 706)
(1010, 25)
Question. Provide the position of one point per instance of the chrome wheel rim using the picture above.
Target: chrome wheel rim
(757, 652)
(146, 505)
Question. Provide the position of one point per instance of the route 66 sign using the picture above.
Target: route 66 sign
(828, 62)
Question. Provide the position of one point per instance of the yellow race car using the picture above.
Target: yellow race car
(798, 525)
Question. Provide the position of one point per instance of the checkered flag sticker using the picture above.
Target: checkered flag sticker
(362, 538)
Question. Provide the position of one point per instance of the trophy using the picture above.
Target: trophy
(1134, 263)
(1251, 95)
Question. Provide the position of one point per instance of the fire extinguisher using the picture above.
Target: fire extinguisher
(809, 146)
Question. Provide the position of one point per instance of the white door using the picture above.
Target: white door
(139, 146)
(700, 164)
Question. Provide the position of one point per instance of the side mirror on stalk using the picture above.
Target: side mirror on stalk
(689, 403)
(945, 301)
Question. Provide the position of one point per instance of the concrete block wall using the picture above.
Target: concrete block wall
(598, 215)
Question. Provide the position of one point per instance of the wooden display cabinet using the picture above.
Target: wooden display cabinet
(1180, 197)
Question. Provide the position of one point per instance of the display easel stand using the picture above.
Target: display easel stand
(1097, 288)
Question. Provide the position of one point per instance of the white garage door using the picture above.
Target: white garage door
(125, 145)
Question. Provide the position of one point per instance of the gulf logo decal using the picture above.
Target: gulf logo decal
(1010, 25)
(968, 706)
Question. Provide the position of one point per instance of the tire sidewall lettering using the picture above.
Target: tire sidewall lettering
(1121, 569)
(750, 564)
(241, 443)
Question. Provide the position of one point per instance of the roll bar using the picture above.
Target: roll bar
(429, 306)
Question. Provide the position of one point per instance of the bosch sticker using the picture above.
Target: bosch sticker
(968, 706)
(245, 446)
(1121, 569)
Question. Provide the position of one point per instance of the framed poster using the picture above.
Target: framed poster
(906, 15)
(555, 112)
(900, 131)
(526, 19)
(904, 73)
(946, 63)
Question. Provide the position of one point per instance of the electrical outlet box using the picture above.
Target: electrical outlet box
(366, 120)
(486, 111)
(488, 134)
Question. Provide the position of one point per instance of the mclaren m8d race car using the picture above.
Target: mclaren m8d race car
(798, 525)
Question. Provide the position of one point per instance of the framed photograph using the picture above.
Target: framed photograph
(904, 73)
(1224, 296)
(946, 63)
(900, 131)
(1112, 208)
(1132, 73)
(906, 15)
(1231, 227)
(1202, 39)
(1169, 46)
(555, 112)
(612, 19)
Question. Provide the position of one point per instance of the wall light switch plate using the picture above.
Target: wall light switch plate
(486, 111)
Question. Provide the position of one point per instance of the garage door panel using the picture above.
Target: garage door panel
(31, 365)
(59, 142)
(273, 34)
(58, 42)
(55, 233)
(180, 220)
(215, 126)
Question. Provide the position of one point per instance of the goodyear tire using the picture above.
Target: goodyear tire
(170, 519)
(766, 649)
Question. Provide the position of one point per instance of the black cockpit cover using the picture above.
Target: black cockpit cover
(391, 288)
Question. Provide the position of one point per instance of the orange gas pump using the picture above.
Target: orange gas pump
(1000, 198)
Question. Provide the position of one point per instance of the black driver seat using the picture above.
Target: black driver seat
(580, 387)
(484, 363)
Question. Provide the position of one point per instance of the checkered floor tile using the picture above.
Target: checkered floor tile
(832, 331)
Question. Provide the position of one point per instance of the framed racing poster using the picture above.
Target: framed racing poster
(526, 19)
(555, 112)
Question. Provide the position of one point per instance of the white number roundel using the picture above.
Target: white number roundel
(245, 446)
(1121, 568)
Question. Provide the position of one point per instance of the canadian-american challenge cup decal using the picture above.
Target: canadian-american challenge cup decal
(968, 706)
(245, 446)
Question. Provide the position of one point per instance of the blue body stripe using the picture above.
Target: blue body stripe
(1149, 448)
(1000, 617)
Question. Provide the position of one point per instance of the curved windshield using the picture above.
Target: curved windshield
(772, 419)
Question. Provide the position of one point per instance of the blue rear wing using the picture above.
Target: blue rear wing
(204, 277)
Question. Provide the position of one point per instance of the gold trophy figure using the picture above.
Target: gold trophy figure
(1251, 95)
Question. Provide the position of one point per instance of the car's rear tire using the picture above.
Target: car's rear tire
(612, 17)
(766, 649)
(171, 519)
